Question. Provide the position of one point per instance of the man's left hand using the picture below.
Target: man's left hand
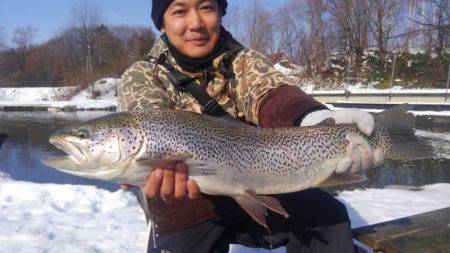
(359, 152)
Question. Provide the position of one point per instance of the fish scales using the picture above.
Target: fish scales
(267, 160)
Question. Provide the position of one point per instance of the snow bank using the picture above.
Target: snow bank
(36, 94)
(71, 218)
(100, 95)
(105, 89)
(103, 95)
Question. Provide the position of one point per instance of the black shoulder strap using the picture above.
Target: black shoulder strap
(185, 83)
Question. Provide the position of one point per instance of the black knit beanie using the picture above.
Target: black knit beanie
(159, 7)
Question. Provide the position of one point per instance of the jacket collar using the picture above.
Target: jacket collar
(160, 48)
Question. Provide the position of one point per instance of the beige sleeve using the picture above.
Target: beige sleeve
(256, 76)
(141, 89)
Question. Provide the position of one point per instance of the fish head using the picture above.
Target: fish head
(101, 148)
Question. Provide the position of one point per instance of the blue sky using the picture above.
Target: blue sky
(48, 16)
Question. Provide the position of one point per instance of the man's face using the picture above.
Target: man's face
(193, 26)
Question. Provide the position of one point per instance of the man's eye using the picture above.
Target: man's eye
(206, 8)
(178, 12)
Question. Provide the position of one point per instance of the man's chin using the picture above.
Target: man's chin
(197, 52)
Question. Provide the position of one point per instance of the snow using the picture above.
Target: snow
(35, 93)
(73, 218)
(292, 70)
(371, 206)
(58, 97)
(68, 218)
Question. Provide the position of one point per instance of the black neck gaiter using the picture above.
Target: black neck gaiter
(199, 64)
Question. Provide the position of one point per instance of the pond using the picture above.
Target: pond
(28, 133)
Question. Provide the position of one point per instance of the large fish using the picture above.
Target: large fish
(224, 157)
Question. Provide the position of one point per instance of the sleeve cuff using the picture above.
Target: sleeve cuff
(285, 107)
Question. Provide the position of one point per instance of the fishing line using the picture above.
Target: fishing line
(270, 239)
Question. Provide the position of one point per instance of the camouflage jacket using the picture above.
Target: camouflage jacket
(252, 76)
(238, 80)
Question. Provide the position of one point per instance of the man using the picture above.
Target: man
(246, 85)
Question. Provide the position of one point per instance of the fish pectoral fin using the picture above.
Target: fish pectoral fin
(342, 179)
(200, 170)
(256, 211)
(147, 163)
(183, 156)
(269, 202)
(155, 161)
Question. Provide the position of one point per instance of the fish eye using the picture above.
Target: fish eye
(81, 133)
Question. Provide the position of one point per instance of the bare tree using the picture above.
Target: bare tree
(434, 25)
(410, 24)
(86, 17)
(384, 17)
(288, 32)
(353, 19)
(232, 21)
(22, 42)
(441, 23)
(2, 39)
(138, 40)
(314, 14)
(258, 27)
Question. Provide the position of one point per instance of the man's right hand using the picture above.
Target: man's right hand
(170, 180)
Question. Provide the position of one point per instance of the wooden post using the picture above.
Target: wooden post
(392, 76)
(448, 81)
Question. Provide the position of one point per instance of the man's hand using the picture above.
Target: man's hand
(170, 180)
(359, 152)
(363, 119)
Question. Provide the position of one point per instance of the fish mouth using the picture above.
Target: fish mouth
(74, 150)
(62, 163)
(67, 165)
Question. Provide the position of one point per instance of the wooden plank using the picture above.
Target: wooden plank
(426, 241)
(427, 232)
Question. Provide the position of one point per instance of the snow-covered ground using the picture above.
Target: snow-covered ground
(99, 95)
(35, 94)
(102, 94)
(72, 218)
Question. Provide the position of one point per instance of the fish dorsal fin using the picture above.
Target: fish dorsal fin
(342, 179)
(327, 122)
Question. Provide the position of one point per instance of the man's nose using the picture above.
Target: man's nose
(195, 21)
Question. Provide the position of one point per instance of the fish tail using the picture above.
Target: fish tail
(396, 120)
(399, 126)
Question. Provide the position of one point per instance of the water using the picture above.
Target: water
(28, 133)
(27, 144)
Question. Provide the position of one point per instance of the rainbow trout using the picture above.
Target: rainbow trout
(224, 157)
